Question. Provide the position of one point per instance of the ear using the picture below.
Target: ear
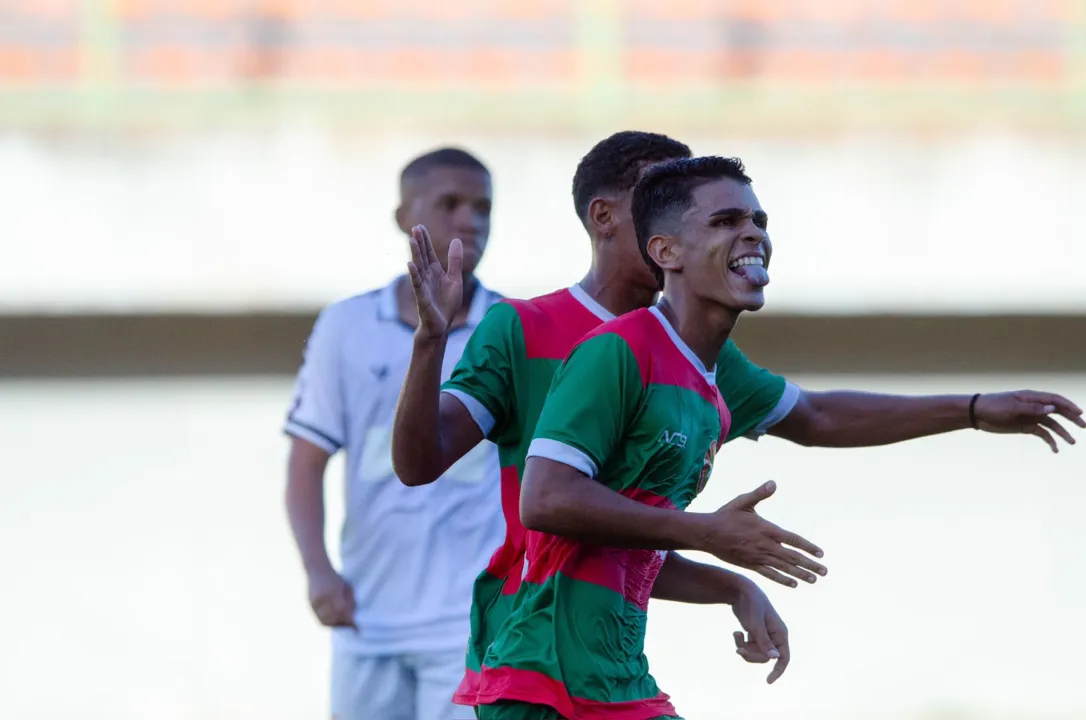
(401, 219)
(665, 252)
(601, 219)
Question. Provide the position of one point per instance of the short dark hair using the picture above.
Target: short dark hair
(442, 157)
(614, 163)
(667, 190)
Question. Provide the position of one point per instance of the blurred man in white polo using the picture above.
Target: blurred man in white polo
(401, 601)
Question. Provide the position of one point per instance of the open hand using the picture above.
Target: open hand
(438, 292)
(1028, 412)
(766, 635)
(736, 534)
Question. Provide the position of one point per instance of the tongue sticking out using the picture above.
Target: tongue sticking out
(756, 275)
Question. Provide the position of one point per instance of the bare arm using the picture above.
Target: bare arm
(560, 500)
(330, 596)
(305, 502)
(858, 419)
(432, 430)
(687, 581)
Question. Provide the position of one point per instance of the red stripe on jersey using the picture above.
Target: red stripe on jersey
(660, 361)
(552, 324)
(508, 561)
(528, 686)
(630, 573)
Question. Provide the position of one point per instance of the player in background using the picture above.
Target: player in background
(400, 603)
(634, 408)
(496, 390)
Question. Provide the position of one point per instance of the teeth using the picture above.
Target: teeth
(753, 260)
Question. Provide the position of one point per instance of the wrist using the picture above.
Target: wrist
(694, 532)
(429, 341)
(973, 421)
(318, 564)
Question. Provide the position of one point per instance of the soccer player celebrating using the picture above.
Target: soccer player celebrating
(499, 384)
(635, 408)
(498, 388)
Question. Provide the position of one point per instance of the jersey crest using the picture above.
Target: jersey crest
(707, 466)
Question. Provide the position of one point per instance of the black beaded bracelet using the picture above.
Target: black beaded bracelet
(973, 411)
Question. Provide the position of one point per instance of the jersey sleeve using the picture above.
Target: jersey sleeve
(594, 396)
(757, 398)
(316, 412)
(483, 379)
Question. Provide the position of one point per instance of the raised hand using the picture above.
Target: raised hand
(736, 534)
(438, 293)
(1028, 412)
(766, 634)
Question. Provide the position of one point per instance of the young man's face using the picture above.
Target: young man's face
(451, 202)
(725, 249)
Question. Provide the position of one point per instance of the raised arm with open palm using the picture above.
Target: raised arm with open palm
(439, 291)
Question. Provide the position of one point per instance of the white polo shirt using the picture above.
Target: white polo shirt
(411, 554)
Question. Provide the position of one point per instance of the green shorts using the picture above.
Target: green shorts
(525, 711)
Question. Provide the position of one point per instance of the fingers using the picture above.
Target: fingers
(747, 501)
(1058, 403)
(428, 246)
(415, 242)
(1044, 435)
(770, 574)
(779, 634)
(797, 564)
(456, 258)
(1054, 425)
(781, 665)
(416, 277)
(760, 639)
(790, 538)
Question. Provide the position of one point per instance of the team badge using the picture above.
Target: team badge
(707, 466)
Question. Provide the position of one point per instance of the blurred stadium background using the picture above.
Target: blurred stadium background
(183, 183)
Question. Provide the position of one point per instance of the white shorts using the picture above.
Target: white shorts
(397, 687)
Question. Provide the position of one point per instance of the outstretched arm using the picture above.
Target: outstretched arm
(858, 419)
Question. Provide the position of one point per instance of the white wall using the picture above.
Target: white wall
(301, 217)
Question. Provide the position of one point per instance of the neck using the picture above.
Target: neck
(615, 293)
(704, 327)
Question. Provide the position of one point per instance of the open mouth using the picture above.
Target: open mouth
(751, 268)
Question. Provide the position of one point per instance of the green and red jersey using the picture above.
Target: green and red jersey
(503, 378)
(633, 408)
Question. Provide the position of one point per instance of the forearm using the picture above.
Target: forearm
(305, 511)
(418, 455)
(558, 500)
(857, 419)
(684, 580)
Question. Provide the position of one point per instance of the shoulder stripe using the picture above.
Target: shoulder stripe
(476, 409)
(311, 434)
(562, 453)
(780, 411)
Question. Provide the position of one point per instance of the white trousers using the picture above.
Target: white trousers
(417, 686)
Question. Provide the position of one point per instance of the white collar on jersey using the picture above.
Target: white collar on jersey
(388, 310)
(709, 375)
(590, 303)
